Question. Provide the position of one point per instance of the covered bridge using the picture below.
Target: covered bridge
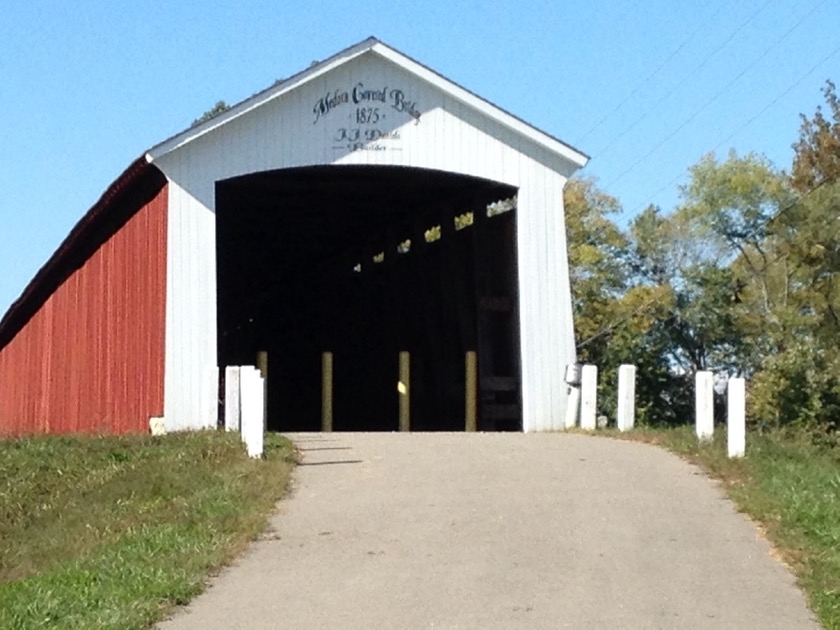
(365, 206)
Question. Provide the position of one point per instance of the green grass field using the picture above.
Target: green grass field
(111, 532)
(788, 485)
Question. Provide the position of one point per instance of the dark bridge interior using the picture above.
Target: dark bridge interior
(366, 262)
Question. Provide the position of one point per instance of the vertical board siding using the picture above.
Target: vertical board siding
(450, 136)
(91, 359)
(191, 311)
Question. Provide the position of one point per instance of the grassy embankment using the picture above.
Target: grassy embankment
(111, 532)
(788, 485)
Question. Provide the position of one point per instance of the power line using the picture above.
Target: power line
(717, 95)
(638, 87)
(780, 96)
(682, 81)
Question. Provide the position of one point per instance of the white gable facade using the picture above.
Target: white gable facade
(369, 105)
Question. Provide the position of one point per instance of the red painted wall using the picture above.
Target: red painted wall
(91, 359)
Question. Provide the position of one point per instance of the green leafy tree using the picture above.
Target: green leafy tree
(616, 318)
(817, 151)
(686, 261)
(730, 202)
(741, 278)
(689, 329)
(727, 208)
(219, 108)
(596, 260)
(799, 381)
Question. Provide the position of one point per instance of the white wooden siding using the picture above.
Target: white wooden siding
(449, 136)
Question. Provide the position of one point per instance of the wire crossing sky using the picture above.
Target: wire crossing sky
(645, 88)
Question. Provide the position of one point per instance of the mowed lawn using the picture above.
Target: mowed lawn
(104, 532)
(112, 532)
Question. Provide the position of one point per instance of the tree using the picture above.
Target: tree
(727, 209)
(810, 229)
(689, 329)
(799, 381)
(817, 152)
(616, 319)
(596, 256)
(698, 263)
(729, 203)
(743, 277)
(214, 111)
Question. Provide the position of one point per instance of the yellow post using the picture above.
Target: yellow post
(327, 392)
(262, 363)
(404, 389)
(471, 392)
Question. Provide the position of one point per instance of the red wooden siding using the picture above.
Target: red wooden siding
(91, 358)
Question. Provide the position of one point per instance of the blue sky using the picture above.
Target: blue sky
(644, 88)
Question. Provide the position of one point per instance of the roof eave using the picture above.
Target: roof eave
(482, 105)
(90, 231)
(260, 98)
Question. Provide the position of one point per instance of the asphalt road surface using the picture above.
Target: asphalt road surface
(441, 530)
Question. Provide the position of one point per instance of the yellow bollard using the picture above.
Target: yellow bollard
(404, 390)
(262, 363)
(471, 423)
(327, 392)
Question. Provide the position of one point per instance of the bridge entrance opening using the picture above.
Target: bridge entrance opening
(365, 263)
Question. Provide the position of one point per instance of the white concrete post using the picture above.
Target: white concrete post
(232, 398)
(157, 426)
(572, 407)
(704, 405)
(253, 410)
(736, 430)
(209, 391)
(262, 367)
(572, 378)
(626, 416)
(588, 397)
(245, 406)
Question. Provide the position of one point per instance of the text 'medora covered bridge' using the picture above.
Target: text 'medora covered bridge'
(366, 206)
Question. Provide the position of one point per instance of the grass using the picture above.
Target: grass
(112, 532)
(791, 487)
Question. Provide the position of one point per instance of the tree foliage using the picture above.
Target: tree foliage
(617, 318)
(817, 159)
(740, 278)
(799, 378)
(596, 251)
(219, 108)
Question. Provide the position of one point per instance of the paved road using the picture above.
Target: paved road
(511, 531)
